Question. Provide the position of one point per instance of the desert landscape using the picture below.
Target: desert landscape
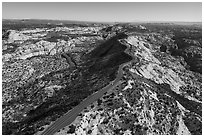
(64, 77)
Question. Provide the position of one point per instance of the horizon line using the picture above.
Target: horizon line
(94, 21)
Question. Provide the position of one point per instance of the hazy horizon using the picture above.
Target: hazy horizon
(105, 21)
(105, 11)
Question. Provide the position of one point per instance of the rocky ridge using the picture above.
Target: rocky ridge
(158, 94)
(154, 98)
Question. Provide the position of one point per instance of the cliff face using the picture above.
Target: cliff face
(157, 96)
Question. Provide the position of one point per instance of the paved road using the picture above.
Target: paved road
(71, 115)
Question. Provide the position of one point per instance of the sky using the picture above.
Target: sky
(105, 11)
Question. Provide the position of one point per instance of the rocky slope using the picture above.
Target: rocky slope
(157, 96)
(48, 71)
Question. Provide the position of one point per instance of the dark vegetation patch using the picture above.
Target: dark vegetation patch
(100, 109)
(71, 129)
(89, 131)
(105, 121)
(99, 101)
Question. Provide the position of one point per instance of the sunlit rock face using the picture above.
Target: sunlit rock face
(16, 36)
(157, 96)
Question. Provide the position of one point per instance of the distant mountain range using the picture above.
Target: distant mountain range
(46, 21)
(50, 21)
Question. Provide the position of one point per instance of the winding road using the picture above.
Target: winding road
(71, 115)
